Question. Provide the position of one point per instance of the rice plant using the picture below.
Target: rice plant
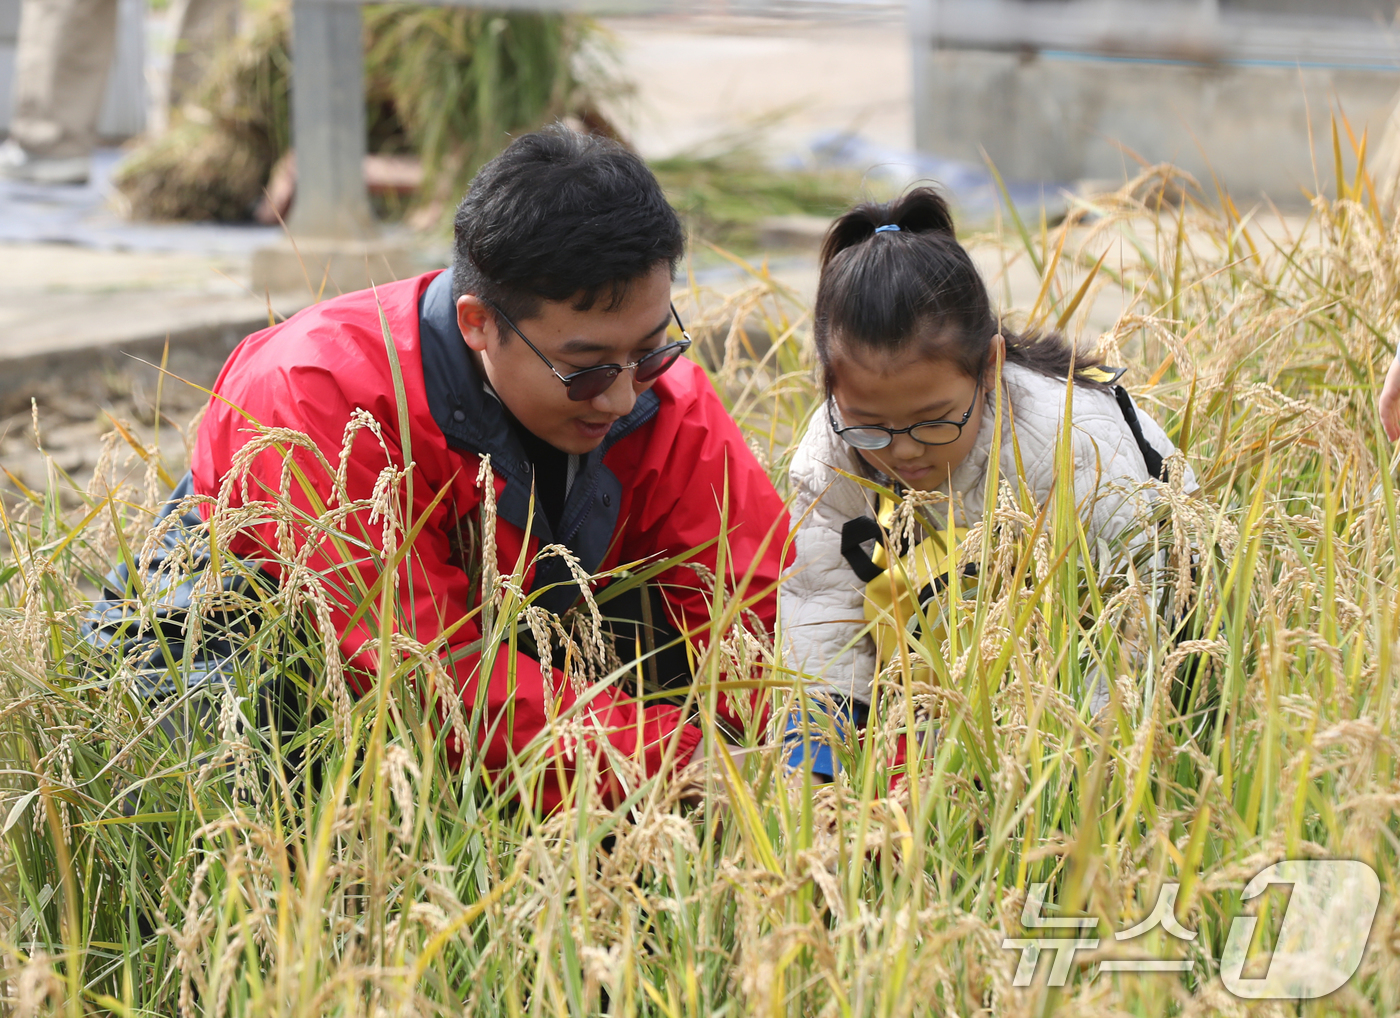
(458, 83)
(726, 186)
(174, 855)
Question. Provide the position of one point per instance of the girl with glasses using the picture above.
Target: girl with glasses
(912, 352)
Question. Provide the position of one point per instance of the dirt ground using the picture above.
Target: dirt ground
(73, 417)
(77, 406)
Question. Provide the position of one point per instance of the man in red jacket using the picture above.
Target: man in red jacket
(547, 348)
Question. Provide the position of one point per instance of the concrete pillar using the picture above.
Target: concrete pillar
(328, 122)
(334, 247)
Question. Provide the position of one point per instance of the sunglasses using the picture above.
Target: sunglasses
(590, 383)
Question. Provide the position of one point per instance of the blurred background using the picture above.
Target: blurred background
(191, 191)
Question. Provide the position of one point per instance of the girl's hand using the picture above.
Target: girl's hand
(1389, 401)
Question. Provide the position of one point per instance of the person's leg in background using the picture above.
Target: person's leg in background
(64, 54)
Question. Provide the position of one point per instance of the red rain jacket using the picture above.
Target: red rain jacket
(669, 458)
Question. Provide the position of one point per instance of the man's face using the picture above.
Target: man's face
(572, 340)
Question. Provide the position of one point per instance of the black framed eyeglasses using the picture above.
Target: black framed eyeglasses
(872, 436)
(592, 382)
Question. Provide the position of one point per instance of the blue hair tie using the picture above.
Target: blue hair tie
(891, 228)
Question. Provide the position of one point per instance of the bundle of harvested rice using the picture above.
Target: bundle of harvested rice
(214, 161)
(450, 85)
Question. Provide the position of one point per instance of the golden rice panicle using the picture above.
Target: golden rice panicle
(346, 867)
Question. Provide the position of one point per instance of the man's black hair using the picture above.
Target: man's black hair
(557, 216)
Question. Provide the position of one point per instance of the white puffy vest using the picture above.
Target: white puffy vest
(822, 604)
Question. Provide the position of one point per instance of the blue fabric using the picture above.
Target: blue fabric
(806, 735)
(116, 627)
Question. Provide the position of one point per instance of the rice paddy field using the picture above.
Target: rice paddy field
(346, 868)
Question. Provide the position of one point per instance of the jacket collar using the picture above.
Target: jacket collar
(470, 419)
(474, 421)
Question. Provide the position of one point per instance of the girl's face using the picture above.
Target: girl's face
(896, 392)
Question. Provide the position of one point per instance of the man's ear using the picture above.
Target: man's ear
(476, 321)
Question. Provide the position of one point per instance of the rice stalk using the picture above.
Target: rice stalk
(348, 865)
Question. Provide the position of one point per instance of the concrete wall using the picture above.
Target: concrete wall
(1065, 118)
(124, 108)
(9, 30)
(1367, 10)
(1055, 89)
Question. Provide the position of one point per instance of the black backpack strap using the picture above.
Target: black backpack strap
(940, 583)
(1150, 456)
(855, 533)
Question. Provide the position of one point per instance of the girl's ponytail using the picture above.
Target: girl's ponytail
(894, 276)
(922, 210)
